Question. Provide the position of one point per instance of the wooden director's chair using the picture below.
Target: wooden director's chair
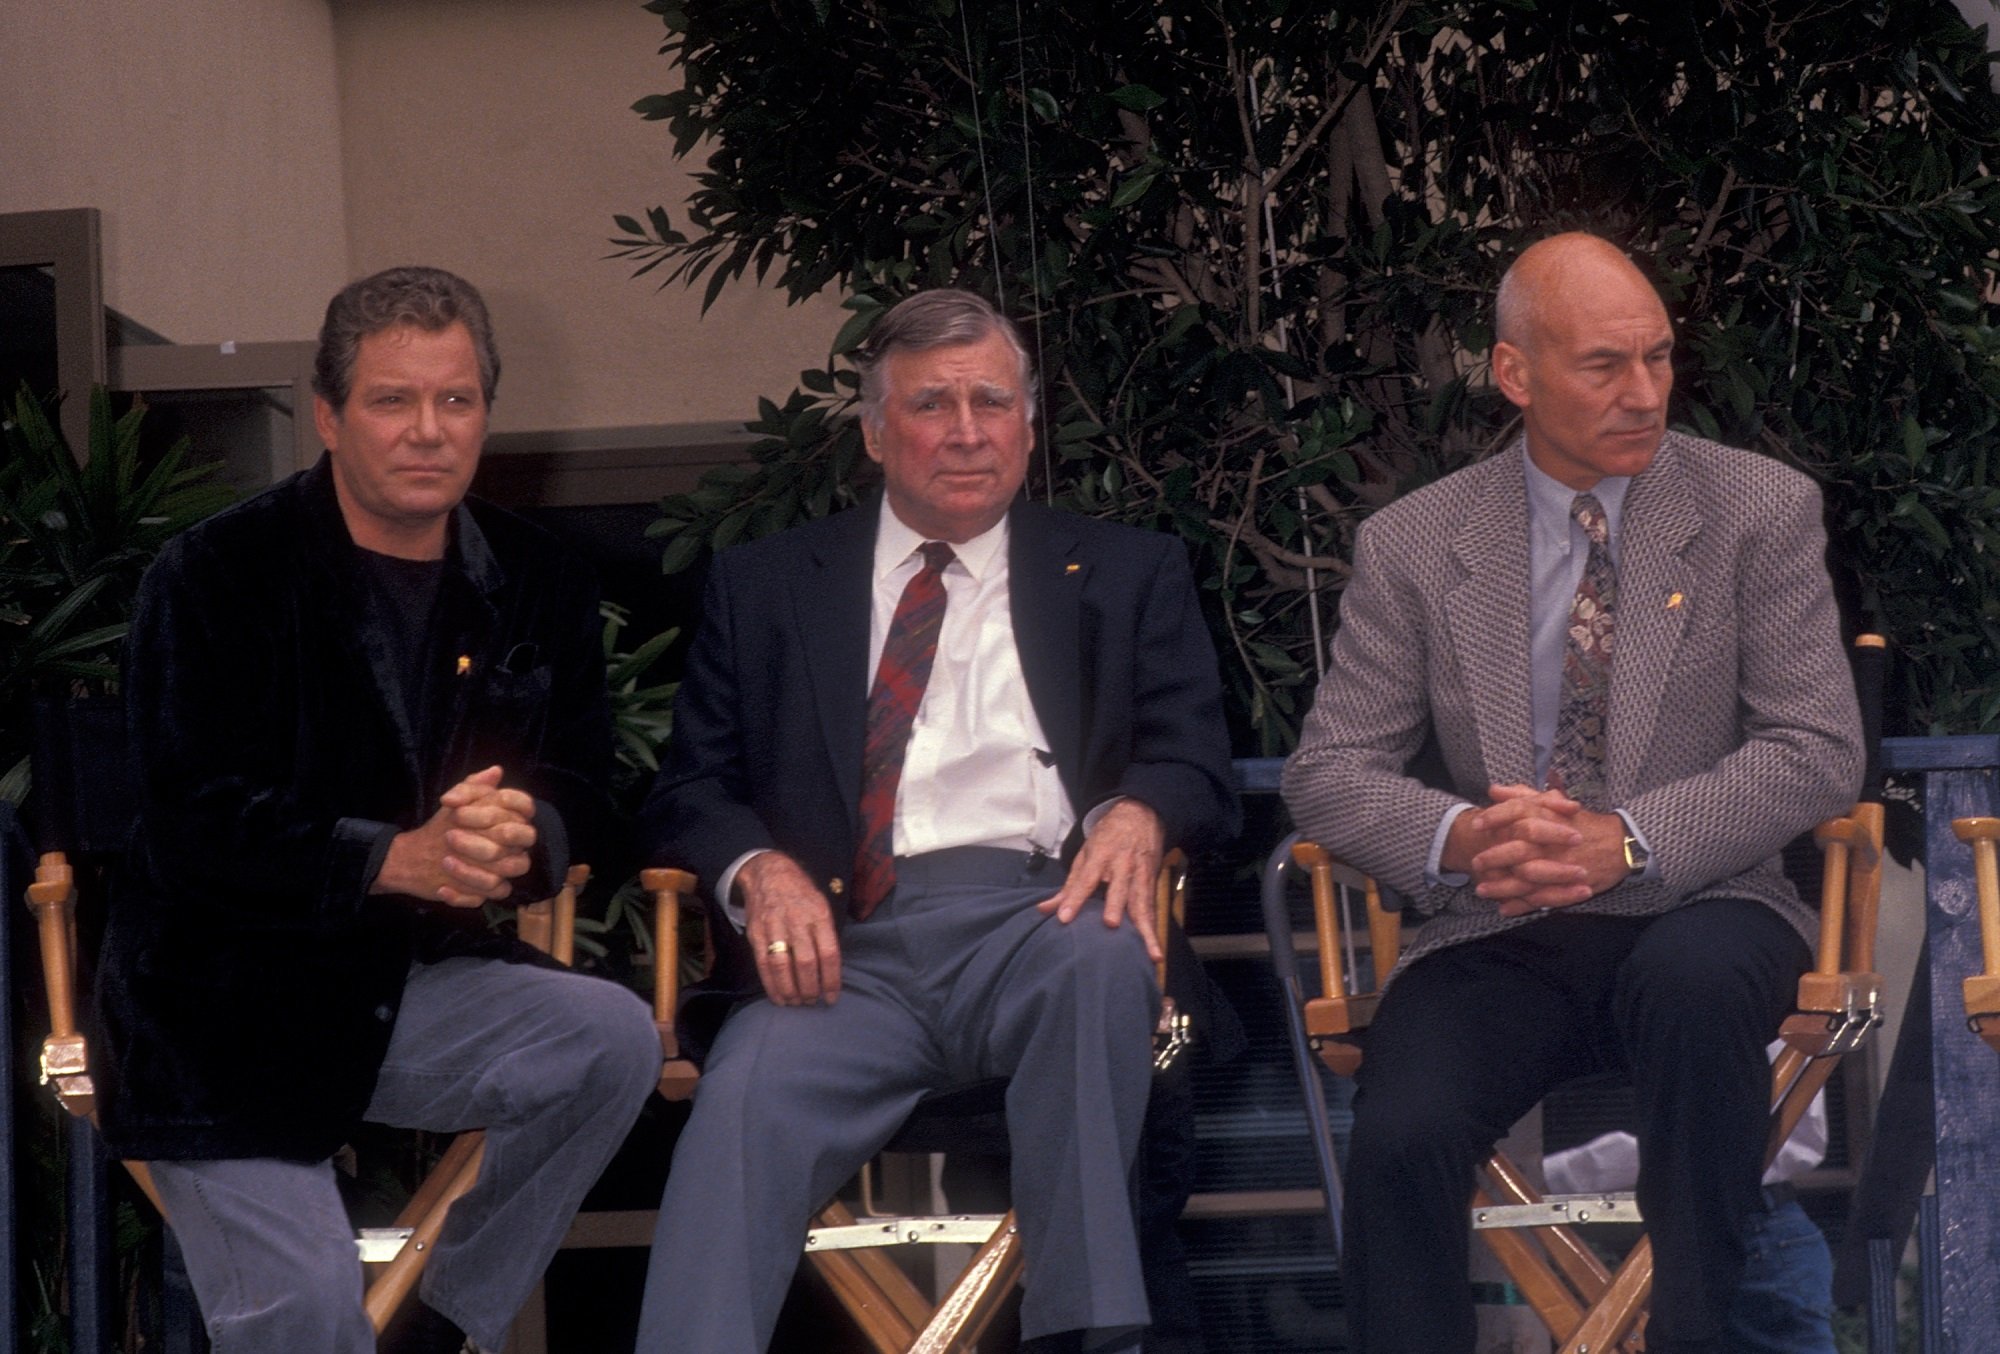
(848, 1250)
(395, 1254)
(1982, 990)
(1586, 1307)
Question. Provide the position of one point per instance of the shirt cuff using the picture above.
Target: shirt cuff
(1434, 872)
(1652, 870)
(1090, 819)
(725, 889)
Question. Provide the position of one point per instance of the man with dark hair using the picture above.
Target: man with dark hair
(929, 752)
(362, 707)
(1624, 644)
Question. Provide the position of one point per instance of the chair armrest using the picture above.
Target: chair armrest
(672, 890)
(550, 923)
(1344, 1007)
(1982, 990)
(65, 1053)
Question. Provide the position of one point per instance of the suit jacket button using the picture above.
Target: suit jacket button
(836, 887)
(384, 1014)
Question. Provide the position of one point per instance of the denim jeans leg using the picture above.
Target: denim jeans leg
(1784, 1304)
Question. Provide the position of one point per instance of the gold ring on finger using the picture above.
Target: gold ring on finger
(777, 947)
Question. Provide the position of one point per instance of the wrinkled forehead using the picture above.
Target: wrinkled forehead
(987, 366)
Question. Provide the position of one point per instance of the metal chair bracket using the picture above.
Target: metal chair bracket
(1171, 1035)
(1557, 1210)
(380, 1245)
(966, 1229)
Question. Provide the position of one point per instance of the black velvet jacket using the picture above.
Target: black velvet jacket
(249, 981)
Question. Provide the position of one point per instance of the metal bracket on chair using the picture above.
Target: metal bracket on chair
(380, 1245)
(64, 1055)
(966, 1229)
(1170, 1036)
(66, 1069)
(1557, 1210)
(1848, 1028)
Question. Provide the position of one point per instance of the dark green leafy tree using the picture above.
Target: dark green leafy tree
(1254, 242)
(74, 540)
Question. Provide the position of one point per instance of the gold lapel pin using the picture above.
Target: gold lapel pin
(464, 664)
(1674, 602)
(1072, 568)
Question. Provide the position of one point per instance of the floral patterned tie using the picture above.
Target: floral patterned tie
(900, 679)
(1578, 755)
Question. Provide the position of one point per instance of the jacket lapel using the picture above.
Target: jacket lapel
(1487, 617)
(1655, 595)
(831, 609)
(1045, 578)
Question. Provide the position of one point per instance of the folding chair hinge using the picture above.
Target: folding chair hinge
(66, 1068)
(1558, 1210)
(64, 1055)
(967, 1229)
(1170, 1036)
(1848, 1027)
(380, 1245)
(1851, 1029)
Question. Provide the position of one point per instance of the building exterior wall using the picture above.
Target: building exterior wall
(496, 137)
(249, 156)
(206, 132)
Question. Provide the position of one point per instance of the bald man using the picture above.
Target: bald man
(1624, 642)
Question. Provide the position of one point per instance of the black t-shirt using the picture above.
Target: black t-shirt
(402, 612)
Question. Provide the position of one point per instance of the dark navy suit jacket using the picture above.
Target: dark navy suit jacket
(768, 725)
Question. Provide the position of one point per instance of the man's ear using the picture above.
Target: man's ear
(868, 432)
(326, 421)
(1510, 373)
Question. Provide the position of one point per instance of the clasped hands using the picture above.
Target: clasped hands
(1529, 850)
(784, 908)
(470, 851)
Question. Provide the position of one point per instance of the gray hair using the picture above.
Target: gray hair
(429, 298)
(940, 318)
(1512, 308)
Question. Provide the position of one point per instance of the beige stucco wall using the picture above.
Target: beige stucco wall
(249, 156)
(207, 134)
(495, 137)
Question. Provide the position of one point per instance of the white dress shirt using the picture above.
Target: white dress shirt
(978, 769)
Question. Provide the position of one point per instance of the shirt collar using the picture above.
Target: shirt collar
(896, 542)
(1549, 502)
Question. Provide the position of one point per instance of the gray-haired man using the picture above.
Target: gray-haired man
(930, 752)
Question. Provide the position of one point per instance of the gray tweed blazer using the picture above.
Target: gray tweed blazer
(1732, 721)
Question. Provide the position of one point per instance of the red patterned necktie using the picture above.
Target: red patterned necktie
(1578, 754)
(900, 679)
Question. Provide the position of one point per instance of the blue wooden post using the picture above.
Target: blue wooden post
(1959, 782)
(13, 888)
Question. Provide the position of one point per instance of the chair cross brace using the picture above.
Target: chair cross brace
(1558, 1210)
(964, 1229)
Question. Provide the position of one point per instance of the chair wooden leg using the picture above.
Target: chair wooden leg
(872, 1287)
(1586, 1274)
(1552, 1300)
(455, 1174)
(1614, 1317)
(970, 1307)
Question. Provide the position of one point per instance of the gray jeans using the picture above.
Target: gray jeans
(554, 1066)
